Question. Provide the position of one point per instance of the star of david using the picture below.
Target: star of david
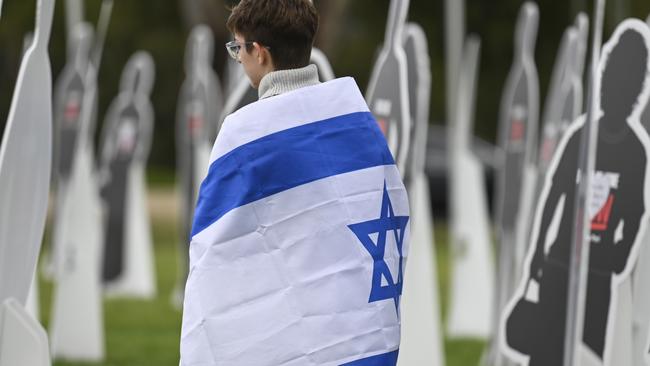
(387, 222)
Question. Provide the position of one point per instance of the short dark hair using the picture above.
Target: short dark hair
(286, 27)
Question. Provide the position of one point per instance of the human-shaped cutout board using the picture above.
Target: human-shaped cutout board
(25, 163)
(517, 141)
(84, 49)
(472, 280)
(128, 268)
(199, 111)
(582, 25)
(69, 94)
(32, 305)
(534, 322)
(564, 102)
(76, 327)
(421, 331)
(418, 68)
(560, 69)
(387, 93)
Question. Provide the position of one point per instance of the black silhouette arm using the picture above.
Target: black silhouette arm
(621, 251)
(558, 187)
(635, 203)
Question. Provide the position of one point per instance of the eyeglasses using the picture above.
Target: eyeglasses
(233, 48)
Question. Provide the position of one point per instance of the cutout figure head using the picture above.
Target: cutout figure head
(80, 46)
(138, 75)
(526, 31)
(200, 48)
(623, 78)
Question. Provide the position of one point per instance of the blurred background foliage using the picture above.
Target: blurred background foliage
(351, 32)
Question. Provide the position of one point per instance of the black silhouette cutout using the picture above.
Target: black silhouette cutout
(537, 329)
(114, 193)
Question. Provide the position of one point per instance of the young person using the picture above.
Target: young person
(301, 230)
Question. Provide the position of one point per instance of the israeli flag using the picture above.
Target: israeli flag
(300, 237)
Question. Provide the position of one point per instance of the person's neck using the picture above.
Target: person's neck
(283, 81)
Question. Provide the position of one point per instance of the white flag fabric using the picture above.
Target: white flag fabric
(300, 237)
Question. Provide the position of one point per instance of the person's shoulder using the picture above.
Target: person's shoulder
(342, 82)
(346, 82)
(344, 86)
(310, 104)
(342, 94)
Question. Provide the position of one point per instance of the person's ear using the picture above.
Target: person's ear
(262, 53)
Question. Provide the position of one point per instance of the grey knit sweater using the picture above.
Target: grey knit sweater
(282, 81)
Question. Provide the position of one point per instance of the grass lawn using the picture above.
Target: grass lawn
(147, 333)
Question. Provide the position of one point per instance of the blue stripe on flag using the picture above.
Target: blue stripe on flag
(287, 159)
(386, 359)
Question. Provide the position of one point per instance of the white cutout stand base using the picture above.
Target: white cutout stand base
(23, 340)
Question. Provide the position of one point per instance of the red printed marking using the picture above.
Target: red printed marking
(71, 112)
(517, 130)
(126, 147)
(195, 124)
(601, 221)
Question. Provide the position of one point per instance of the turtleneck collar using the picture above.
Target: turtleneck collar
(282, 81)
